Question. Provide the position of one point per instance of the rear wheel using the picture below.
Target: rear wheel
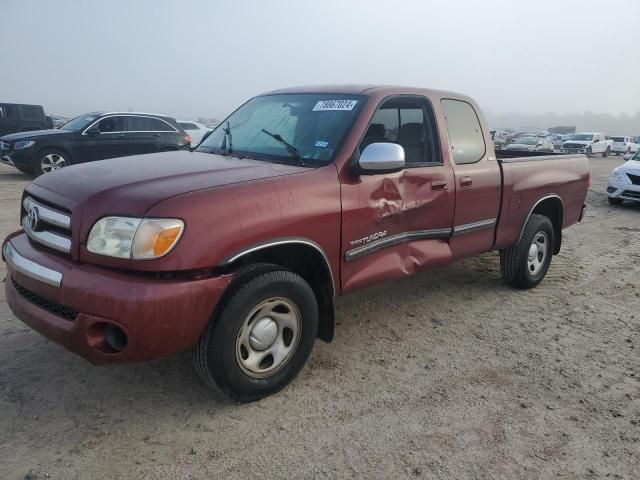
(260, 336)
(615, 201)
(49, 160)
(525, 264)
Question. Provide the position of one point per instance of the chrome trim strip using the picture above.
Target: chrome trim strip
(473, 227)
(47, 214)
(31, 269)
(281, 241)
(553, 195)
(48, 239)
(145, 115)
(438, 233)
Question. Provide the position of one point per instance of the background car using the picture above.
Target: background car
(624, 182)
(624, 145)
(93, 136)
(18, 117)
(195, 129)
(530, 144)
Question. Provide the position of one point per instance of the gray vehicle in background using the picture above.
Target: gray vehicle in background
(18, 117)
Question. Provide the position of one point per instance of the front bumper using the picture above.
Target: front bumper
(624, 192)
(22, 158)
(72, 304)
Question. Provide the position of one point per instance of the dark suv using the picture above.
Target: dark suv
(17, 117)
(93, 136)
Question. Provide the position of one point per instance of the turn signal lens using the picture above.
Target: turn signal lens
(156, 237)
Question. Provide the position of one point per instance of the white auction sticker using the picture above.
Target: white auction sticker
(324, 105)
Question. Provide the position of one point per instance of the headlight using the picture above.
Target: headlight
(136, 238)
(618, 176)
(23, 144)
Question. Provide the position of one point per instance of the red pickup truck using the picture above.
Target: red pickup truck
(237, 249)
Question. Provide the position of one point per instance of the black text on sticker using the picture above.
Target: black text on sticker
(323, 105)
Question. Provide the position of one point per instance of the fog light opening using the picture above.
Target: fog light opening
(115, 337)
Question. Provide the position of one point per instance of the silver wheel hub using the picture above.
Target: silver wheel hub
(52, 162)
(268, 337)
(263, 334)
(538, 252)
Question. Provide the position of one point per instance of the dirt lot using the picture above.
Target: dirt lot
(450, 374)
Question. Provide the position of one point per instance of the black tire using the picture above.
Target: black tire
(215, 355)
(514, 260)
(606, 153)
(615, 201)
(42, 154)
(589, 152)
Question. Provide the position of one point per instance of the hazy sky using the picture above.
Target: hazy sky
(202, 58)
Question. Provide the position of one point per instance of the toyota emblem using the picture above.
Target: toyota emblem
(33, 218)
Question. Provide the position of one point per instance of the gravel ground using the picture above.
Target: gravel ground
(449, 374)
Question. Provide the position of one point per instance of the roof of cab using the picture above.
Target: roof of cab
(357, 89)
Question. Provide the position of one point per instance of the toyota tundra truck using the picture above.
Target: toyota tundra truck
(236, 251)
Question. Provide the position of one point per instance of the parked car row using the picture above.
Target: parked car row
(89, 137)
(35, 142)
(589, 143)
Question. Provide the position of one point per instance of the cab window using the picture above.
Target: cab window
(465, 133)
(409, 122)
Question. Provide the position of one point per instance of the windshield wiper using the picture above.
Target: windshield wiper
(293, 151)
(227, 133)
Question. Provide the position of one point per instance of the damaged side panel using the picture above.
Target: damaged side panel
(395, 224)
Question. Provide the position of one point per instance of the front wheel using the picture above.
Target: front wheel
(606, 153)
(589, 152)
(49, 160)
(615, 201)
(260, 335)
(525, 264)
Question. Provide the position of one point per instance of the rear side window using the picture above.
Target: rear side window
(31, 113)
(465, 133)
(157, 125)
(138, 124)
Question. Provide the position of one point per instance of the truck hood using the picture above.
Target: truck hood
(578, 142)
(132, 185)
(32, 135)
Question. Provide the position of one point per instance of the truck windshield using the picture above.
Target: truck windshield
(581, 137)
(286, 127)
(79, 123)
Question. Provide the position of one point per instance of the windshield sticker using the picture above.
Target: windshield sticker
(322, 144)
(324, 105)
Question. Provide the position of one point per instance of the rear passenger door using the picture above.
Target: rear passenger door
(140, 136)
(478, 183)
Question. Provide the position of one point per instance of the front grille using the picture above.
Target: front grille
(47, 225)
(50, 306)
(635, 179)
(573, 146)
(631, 194)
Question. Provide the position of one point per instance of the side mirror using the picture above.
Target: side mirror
(596, 141)
(93, 132)
(382, 158)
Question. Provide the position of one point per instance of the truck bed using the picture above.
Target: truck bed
(529, 177)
